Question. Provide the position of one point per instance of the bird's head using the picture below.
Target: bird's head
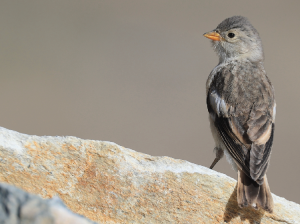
(235, 37)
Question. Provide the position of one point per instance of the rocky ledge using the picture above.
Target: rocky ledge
(108, 183)
(19, 207)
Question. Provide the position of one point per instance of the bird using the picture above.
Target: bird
(241, 103)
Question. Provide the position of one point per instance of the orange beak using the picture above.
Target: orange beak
(213, 36)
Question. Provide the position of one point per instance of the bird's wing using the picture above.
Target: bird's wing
(248, 138)
(218, 110)
(260, 132)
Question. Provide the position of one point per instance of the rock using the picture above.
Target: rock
(111, 184)
(19, 207)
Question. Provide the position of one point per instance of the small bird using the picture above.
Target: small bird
(242, 109)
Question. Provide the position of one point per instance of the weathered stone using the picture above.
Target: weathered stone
(111, 184)
(19, 207)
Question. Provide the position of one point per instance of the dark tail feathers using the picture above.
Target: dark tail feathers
(251, 193)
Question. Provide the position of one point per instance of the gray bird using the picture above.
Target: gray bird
(242, 108)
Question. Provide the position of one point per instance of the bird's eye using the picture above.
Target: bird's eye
(231, 35)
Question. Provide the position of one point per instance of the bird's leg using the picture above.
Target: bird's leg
(214, 163)
(219, 154)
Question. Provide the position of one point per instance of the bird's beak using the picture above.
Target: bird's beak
(213, 35)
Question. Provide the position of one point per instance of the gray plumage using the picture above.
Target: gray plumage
(242, 108)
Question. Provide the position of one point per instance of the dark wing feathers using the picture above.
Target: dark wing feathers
(247, 129)
(232, 143)
(259, 158)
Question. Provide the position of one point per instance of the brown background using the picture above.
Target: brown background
(134, 72)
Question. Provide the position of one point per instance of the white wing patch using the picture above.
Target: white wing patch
(218, 104)
(274, 113)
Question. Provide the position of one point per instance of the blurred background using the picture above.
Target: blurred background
(133, 72)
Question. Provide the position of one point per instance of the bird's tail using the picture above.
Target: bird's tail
(251, 193)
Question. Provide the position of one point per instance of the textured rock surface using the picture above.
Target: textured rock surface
(111, 184)
(19, 207)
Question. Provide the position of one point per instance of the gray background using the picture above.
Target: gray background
(134, 72)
